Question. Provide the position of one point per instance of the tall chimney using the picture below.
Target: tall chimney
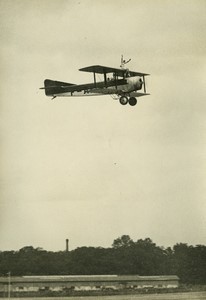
(67, 245)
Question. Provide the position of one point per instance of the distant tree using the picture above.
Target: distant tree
(27, 249)
(198, 264)
(142, 257)
(123, 241)
(190, 263)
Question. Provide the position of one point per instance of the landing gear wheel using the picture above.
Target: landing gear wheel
(123, 100)
(132, 101)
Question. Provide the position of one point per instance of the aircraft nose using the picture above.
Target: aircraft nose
(141, 82)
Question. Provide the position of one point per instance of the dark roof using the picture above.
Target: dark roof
(92, 278)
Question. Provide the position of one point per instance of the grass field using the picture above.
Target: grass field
(169, 296)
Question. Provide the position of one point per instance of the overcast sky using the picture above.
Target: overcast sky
(90, 169)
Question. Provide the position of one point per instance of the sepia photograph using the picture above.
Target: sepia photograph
(103, 149)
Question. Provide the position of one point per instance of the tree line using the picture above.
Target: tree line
(125, 257)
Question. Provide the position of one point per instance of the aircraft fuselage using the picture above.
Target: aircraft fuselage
(126, 85)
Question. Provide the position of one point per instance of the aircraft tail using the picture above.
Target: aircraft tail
(52, 87)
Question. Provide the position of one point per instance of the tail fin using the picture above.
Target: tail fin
(52, 87)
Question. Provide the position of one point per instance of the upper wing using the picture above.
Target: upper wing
(104, 70)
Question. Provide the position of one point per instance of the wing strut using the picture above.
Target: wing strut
(105, 79)
(116, 79)
(95, 83)
(144, 84)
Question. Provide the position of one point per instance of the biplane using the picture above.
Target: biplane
(121, 83)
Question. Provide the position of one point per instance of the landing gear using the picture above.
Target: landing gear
(124, 100)
(132, 101)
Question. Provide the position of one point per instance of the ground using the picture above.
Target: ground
(170, 296)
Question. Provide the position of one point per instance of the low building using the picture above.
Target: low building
(40, 284)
